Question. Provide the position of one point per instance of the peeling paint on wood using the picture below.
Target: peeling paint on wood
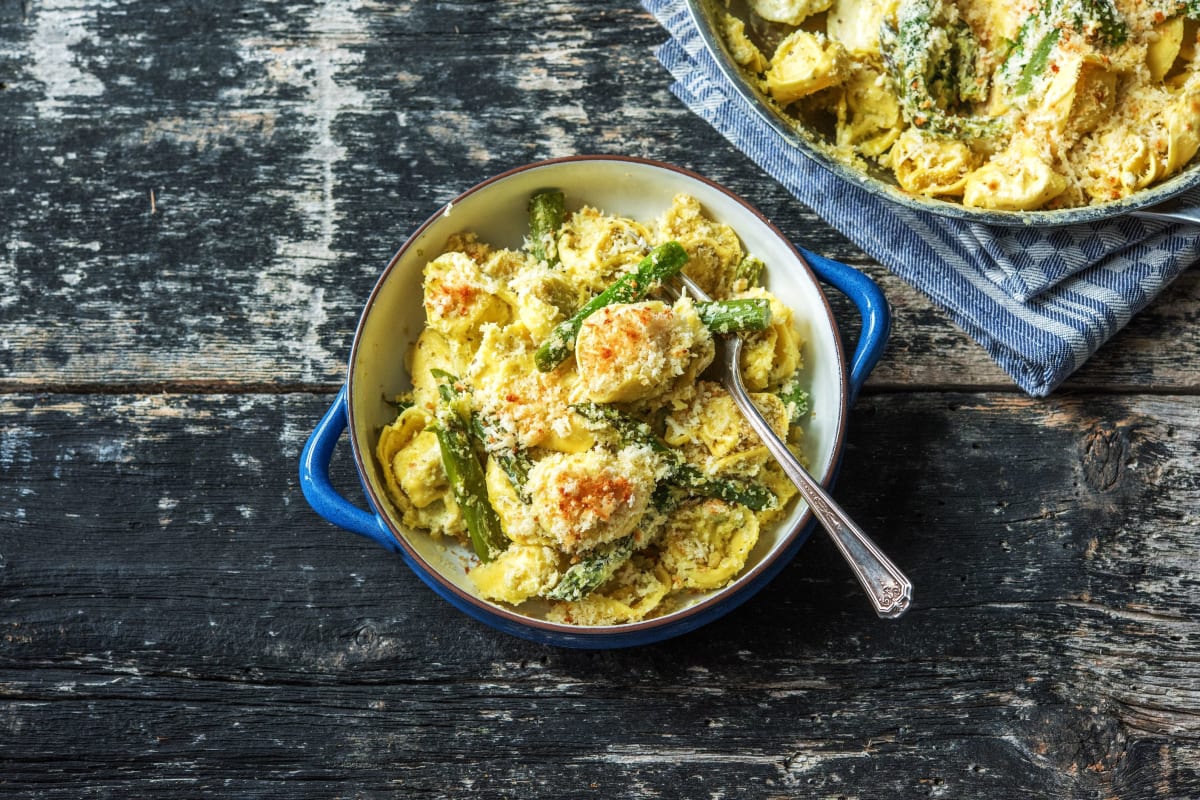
(196, 201)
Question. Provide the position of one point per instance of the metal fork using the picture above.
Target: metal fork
(1187, 215)
(888, 588)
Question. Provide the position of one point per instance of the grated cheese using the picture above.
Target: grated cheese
(564, 486)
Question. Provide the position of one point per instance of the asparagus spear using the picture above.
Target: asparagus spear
(751, 268)
(1039, 60)
(465, 474)
(1029, 55)
(547, 209)
(970, 86)
(663, 262)
(753, 495)
(515, 462)
(586, 576)
(731, 316)
(488, 433)
(1099, 18)
(927, 64)
(598, 566)
(795, 400)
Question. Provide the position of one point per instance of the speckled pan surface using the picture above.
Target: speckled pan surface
(496, 211)
(705, 13)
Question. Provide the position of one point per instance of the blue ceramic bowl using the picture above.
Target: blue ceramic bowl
(496, 210)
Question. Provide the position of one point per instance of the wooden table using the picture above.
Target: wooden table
(196, 199)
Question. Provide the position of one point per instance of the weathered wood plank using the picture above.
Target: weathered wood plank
(198, 198)
(172, 610)
(227, 219)
(1157, 351)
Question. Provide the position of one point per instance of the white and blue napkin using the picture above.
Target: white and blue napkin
(1040, 300)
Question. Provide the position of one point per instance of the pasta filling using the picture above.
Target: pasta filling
(559, 423)
(1038, 104)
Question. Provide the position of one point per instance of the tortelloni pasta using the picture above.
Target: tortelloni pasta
(1012, 106)
(560, 423)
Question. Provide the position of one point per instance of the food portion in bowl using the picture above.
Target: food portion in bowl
(560, 422)
(1009, 106)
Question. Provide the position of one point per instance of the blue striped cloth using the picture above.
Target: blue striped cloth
(1040, 301)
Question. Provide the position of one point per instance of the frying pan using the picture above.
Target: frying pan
(1153, 202)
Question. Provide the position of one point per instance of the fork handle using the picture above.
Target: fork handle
(889, 589)
(1183, 208)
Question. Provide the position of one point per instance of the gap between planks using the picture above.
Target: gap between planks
(201, 387)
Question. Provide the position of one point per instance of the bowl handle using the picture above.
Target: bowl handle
(872, 307)
(318, 489)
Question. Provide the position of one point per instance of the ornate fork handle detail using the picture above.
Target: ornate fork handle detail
(889, 589)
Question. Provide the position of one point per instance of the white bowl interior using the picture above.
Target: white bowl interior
(496, 211)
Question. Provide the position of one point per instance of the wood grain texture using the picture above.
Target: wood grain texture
(206, 193)
(196, 199)
(173, 611)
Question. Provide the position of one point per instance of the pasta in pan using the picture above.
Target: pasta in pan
(1014, 106)
(560, 423)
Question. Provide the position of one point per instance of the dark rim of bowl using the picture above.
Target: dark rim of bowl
(746, 579)
(702, 12)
